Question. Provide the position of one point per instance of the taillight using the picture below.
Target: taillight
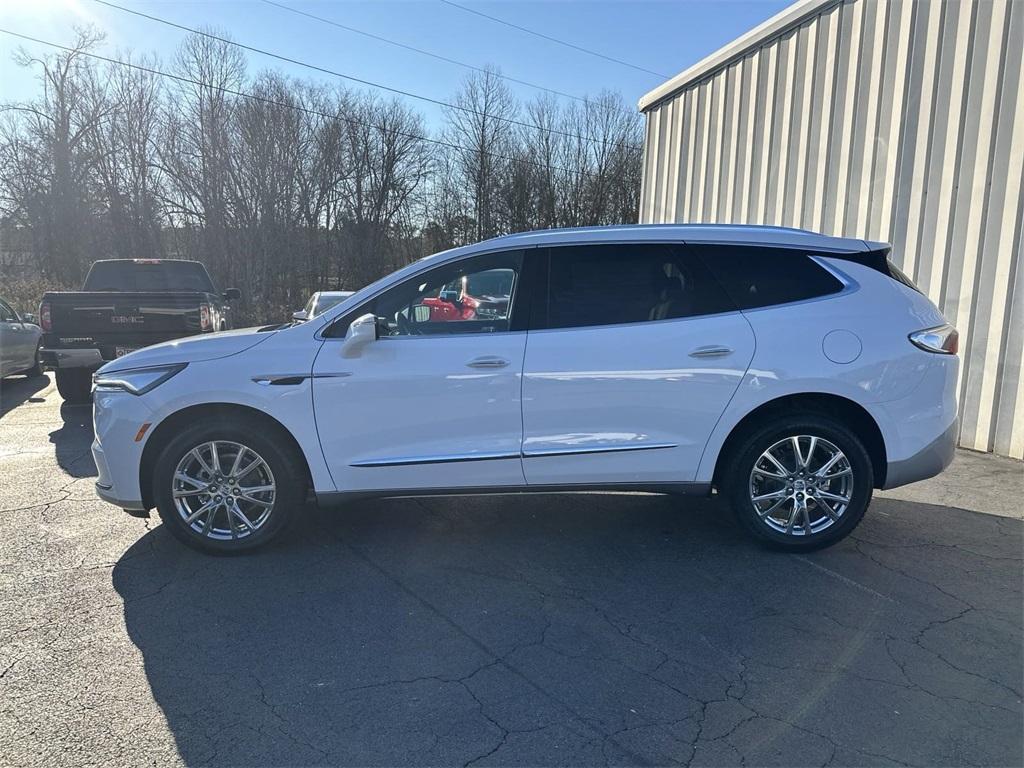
(205, 321)
(942, 339)
(44, 316)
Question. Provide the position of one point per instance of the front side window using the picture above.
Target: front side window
(474, 295)
(7, 314)
(628, 283)
(759, 276)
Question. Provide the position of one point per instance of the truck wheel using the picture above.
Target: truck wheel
(227, 486)
(75, 385)
(801, 482)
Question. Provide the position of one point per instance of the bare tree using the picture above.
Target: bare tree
(283, 187)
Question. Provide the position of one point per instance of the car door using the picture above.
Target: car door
(434, 402)
(634, 352)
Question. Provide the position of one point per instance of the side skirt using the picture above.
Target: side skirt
(331, 498)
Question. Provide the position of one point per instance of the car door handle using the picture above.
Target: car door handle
(711, 350)
(487, 361)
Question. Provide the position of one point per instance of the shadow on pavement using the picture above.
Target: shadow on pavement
(72, 441)
(16, 390)
(576, 630)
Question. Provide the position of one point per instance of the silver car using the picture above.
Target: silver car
(19, 342)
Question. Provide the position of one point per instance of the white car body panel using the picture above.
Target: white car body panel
(628, 403)
(408, 414)
(412, 412)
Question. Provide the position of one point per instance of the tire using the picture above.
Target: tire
(282, 468)
(37, 367)
(751, 474)
(75, 385)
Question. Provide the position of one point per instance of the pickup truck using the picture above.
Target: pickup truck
(126, 304)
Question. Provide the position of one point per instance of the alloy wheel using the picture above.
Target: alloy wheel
(223, 490)
(801, 485)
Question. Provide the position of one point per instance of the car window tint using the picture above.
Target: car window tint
(628, 283)
(7, 314)
(756, 276)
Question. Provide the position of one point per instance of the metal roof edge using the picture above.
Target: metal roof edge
(777, 25)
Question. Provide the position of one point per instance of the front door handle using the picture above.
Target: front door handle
(487, 361)
(711, 350)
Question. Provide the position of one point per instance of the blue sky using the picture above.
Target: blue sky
(665, 37)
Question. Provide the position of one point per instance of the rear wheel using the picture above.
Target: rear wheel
(37, 362)
(227, 487)
(800, 483)
(75, 385)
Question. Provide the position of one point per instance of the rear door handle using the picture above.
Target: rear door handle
(711, 350)
(487, 361)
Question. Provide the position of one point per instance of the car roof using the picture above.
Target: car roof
(746, 234)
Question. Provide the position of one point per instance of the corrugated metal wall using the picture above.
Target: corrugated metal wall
(895, 121)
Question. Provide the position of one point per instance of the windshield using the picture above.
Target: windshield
(148, 275)
(325, 303)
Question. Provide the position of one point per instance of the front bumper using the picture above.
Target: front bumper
(117, 419)
(54, 359)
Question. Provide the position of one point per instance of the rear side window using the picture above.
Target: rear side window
(755, 276)
(627, 283)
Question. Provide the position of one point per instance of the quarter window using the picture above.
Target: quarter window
(628, 283)
(756, 276)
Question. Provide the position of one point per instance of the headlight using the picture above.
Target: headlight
(138, 381)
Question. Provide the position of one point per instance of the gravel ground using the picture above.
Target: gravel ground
(541, 630)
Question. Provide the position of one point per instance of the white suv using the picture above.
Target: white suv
(791, 371)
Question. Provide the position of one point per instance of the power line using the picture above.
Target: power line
(423, 52)
(551, 39)
(274, 102)
(362, 81)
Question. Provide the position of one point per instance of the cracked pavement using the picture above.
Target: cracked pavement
(536, 630)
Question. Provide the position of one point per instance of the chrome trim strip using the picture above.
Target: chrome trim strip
(596, 449)
(401, 461)
(275, 378)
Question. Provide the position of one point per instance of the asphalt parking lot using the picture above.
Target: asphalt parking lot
(544, 630)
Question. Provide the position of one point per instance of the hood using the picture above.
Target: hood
(191, 349)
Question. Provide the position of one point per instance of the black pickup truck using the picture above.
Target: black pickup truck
(126, 304)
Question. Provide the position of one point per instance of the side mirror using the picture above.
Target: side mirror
(28, 317)
(232, 294)
(361, 332)
(300, 314)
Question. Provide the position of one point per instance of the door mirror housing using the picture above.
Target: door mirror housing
(300, 314)
(232, 294)
(361, 332)
(28, 317)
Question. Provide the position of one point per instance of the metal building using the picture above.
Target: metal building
(900, 121)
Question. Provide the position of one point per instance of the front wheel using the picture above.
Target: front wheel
(75, 385)
(227, 486)
(800, 483)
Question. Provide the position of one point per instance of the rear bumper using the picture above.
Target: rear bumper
(54, 359)
(927, 462)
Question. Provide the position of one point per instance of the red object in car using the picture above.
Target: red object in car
(442, 311)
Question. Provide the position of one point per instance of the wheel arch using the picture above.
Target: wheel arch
(850, 413)
(163, 432)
